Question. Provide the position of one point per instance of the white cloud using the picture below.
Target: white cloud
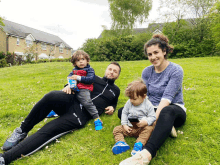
(74, 21)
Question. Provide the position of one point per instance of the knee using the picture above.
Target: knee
(167, 113)
(117, 129)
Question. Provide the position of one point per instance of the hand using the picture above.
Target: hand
(142, 123)
(73, 77)
(67, 90)
(109, 110)
(127, 128)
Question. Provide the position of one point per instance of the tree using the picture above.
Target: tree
(31, 52)
(125, 13)
(215, 24)
(1, 22)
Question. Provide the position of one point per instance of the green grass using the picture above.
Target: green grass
(22, 86)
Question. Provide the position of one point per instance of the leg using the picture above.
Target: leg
(55, 100)
(120, 112)
(46, 134)
(120, 145)
(118, 133)
(84, 98)
(144, 134)
(169, 116)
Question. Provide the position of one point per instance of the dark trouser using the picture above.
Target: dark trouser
(170, 116)
(84, 98)
(65, 106)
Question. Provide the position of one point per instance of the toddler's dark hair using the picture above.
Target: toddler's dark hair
(137, 87)
(77, 54)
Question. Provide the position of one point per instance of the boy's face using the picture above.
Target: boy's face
(137, 100)
(81, 62)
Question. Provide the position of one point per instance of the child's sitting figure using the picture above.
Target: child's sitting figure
(85, 77)
(137, 117)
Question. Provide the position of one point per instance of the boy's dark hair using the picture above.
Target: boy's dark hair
(116, 63)
(77, 54)
(137, 87)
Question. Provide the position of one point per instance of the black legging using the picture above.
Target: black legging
(65, 106)
(170, 116)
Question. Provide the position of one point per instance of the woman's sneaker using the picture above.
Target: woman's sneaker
(137, 147)
(173, 132)
(2, 160)
(120, 147)
(15, 138)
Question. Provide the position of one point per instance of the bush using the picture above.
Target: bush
(117, 48)
(3, 63)
(2, 55)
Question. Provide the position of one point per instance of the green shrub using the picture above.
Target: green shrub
(3, 63)
(2, 55)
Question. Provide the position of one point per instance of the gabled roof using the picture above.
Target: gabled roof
(22, 31)
(151, 28)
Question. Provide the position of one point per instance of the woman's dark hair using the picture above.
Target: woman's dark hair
(162, 42)
(77, 54)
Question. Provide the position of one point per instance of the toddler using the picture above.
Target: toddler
(85, 76)
(137, 117)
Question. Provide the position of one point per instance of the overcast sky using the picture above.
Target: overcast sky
(74, 21)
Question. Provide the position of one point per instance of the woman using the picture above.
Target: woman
(164, 83)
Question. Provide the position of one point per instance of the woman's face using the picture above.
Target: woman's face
(156, 55)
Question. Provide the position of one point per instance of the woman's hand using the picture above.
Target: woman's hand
(109, 110)
(142, 123)
(127, 128)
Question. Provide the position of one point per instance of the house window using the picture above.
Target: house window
(61, 49)
(28, 42)
(43, 46)
(66, 51)
(18, 41)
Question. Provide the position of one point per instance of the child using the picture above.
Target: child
(139, 108)
(85, 76)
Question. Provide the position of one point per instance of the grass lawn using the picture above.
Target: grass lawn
(198, 142)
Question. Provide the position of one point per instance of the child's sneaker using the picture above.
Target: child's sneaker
(98, 124)
(137, 147)
(52, 114)
(120, 147)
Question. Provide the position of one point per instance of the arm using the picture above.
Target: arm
(150, 113)
(124, 117)
(125, 112)
(89, 78)
(110, 109)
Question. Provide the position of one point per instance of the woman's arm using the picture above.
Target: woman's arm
(163, 103)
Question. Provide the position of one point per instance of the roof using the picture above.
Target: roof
(19, 30)
(151, 28)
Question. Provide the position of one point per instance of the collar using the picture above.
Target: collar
(109, 81)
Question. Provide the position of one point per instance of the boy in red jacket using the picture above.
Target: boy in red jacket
(85, 77)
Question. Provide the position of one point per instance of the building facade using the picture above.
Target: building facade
(23, 40)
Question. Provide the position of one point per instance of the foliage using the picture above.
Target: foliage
(1, 22)
(2, 55)
(215, 24)
(125, 13)
(3, 63)
(117, 48)
(198, 141)
(31, 53)
(10, 58)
